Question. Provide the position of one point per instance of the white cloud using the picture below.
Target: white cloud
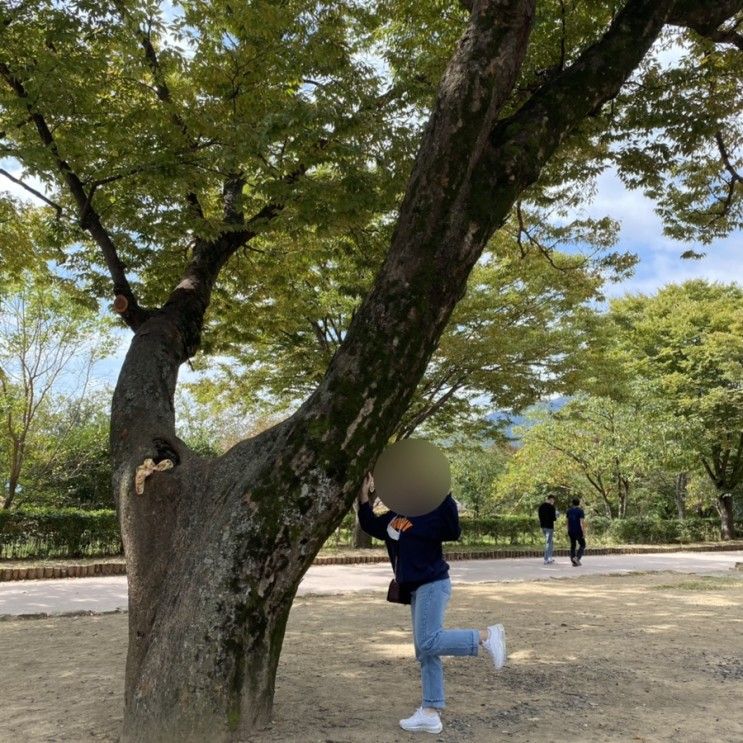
(660, 256)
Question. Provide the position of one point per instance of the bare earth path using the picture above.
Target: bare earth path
(106, 594)
(655, 657)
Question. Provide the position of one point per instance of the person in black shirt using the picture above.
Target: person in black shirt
(547, 516)
(414, 546)
(576, 531)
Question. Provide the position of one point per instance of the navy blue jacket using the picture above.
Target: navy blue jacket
(418, 551)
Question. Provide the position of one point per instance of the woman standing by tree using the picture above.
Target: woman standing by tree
(414, 546)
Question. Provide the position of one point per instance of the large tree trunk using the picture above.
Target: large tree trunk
(215, 550)
(725, 469)
(361, 540)
(623, 489)
(216, 547)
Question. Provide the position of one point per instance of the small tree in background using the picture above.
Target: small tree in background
(68, 461)
(50, 340)
(474, 471)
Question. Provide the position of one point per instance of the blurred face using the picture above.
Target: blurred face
(412, 477)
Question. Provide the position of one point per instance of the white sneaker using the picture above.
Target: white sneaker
(496, 645)
(421, 722)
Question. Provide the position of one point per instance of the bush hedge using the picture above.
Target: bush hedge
(61, 533)
(656, 530)
(501, 529)
(525, 530)
(71, 532)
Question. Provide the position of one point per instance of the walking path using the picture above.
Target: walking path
(106, 594)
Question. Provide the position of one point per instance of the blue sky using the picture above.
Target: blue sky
(660, 261)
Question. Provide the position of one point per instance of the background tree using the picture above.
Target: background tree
(50, 340)
(68, 461)
(687, 340)
(474, 470)
(603, 441)
(186, 141)
(623, 454)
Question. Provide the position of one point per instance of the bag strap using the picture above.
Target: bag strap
(397, 549)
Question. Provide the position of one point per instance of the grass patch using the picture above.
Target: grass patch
(702, 583)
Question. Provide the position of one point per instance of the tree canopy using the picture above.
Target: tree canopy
(292, 128)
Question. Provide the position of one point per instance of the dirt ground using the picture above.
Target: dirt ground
(631, 658)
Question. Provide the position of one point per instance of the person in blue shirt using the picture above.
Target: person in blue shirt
(414, 545)
(576, 531)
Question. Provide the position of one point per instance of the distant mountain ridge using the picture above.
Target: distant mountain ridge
(510, 422)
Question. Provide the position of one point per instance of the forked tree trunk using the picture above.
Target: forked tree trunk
(216, 547)
(725, 469)
(215, 551)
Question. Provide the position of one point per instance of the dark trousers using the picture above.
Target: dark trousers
(577, 539)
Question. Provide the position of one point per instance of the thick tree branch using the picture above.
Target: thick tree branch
(469, 172)
(725, 36)
(191, 297)
(428, 411)
(232, 193)
(189, 300)
(736, 176)
(126, 303)
(163, 93)
(706, 18)
(735, 179)
(33, 191)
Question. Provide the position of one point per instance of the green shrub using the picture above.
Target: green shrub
(500, 529)
(653, 530)
(63, 533)
(70, 532)
(525, 530)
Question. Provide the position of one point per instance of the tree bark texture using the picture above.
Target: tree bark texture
(216, 547)
(680, 486)
(727, 515)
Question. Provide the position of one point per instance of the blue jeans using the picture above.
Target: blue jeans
(548, 543)
(428, 604)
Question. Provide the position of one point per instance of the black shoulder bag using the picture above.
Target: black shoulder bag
(396, 594)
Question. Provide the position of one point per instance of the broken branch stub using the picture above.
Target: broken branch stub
(121, 303)
(146, 469)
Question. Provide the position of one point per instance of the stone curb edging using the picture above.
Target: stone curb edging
(511, 554)
(119, 568)
(62, 571)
